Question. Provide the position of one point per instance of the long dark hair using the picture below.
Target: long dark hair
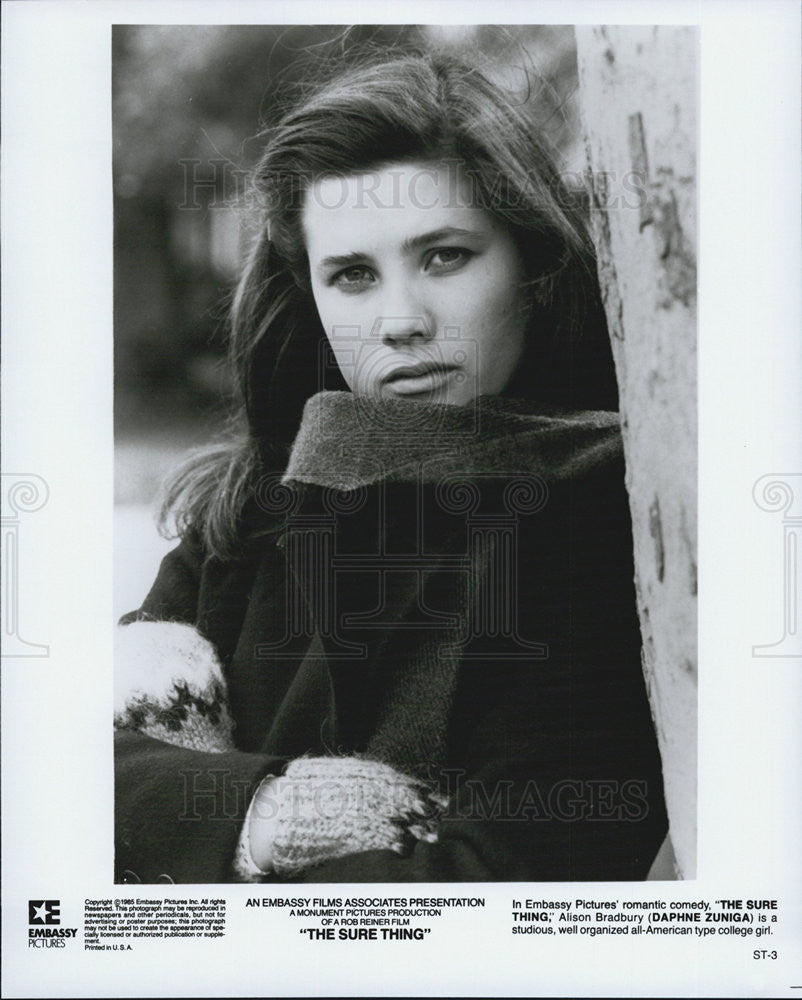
(431, 107)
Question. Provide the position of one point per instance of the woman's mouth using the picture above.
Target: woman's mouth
(409, 380)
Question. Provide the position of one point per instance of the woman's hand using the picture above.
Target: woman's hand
(264, 822)
(329, 807)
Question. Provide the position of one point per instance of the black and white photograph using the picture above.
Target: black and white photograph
(399, 639)
(394, 558)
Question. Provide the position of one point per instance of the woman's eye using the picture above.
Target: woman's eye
(447, 258)
(353, 278)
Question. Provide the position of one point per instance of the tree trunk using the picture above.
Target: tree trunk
(638, 98)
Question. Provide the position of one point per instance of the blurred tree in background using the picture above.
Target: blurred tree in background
(188, 105)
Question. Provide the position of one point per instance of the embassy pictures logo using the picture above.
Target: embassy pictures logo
(42, 915)
(44, 911)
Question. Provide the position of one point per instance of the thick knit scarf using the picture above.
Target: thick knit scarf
(348, 441)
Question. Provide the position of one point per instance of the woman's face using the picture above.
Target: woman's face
(418, 290)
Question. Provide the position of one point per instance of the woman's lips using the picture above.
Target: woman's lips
(413, 379)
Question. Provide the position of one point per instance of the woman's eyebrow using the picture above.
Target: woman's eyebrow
(343, 259)
(436, 235)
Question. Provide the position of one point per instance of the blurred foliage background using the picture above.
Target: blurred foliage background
(189, 103)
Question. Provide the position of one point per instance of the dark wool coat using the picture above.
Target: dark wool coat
(447, 590)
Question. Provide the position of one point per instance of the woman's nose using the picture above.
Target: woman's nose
(401, 329)
(403, 317)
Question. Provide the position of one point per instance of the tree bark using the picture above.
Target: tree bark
(638, 100)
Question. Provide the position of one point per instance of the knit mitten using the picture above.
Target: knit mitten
(332, 806)
(169, 685)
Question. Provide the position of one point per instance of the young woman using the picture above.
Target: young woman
(398, 639)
